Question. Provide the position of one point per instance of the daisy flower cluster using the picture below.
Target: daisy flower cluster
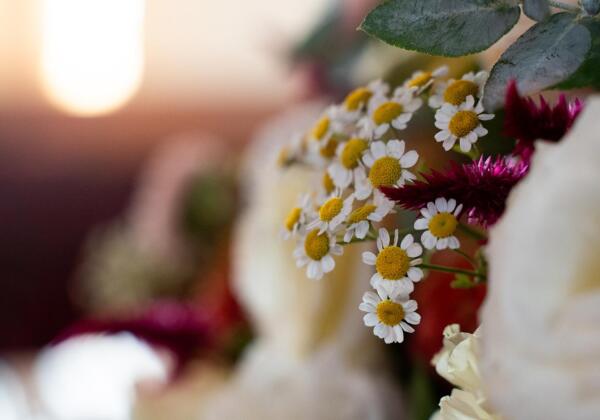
(365, 170)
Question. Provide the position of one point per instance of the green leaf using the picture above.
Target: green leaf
(462, 281)
(591, 7)
(442, 27)
(545, 55)
(588, 74)
(537, 10)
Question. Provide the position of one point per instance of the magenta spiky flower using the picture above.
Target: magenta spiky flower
(527, 122)
(481, 187)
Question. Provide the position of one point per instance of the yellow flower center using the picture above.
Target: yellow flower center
(361, 213)
(385, 171)
(320, 128)
(420, 79)
(316, 246)
(283, 157)
(331, 208)
(328, 151)
(357, 98)
(443, 224)
(392, 263)
(390, 313)
(457, 91)
(292, 218)
(352, 152)
(328, 183)
(463, 123)
(386, 112)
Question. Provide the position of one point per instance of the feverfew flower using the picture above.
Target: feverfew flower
(359, 220)
(390, 315)
(315, 251)
(349, 156)
(332, 213)
(386, 112)
(388, 164)
(297, 217)
(461, 123)
(455, 92)
(358, 100)
(325, 126)
(440, 220)
(421, 80)
(395, 265)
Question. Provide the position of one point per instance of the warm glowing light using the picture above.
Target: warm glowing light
(92, 53)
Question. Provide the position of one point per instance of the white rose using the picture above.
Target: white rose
(542, 316)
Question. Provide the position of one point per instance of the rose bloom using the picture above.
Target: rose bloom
(540, 352)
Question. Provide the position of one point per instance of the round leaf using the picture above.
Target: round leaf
(536, 9)
(442, 27)
(545, 55)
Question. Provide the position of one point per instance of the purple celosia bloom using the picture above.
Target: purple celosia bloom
(481, 187)
(527, 122)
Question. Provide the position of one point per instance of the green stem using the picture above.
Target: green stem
(445, 269)
(473, 233)
(466, 256)
(563, 6)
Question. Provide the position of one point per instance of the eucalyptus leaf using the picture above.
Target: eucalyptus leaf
(536, 9)
(545, 55)
(442, 27)
(588, 74)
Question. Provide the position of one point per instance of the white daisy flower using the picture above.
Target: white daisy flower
(360, 220)
(455, 92)
(439, 221)
(395, 265)
(297, 217)
(460, 123)
(388, 164)
(315, 251)
(332, 213)
(325, 126)
(356, 101)
(421, 80)
(390, 315)
(386, 112)
(348, 162)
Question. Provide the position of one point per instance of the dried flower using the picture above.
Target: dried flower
(481, 186)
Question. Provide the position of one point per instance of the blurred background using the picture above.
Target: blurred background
(123, 128)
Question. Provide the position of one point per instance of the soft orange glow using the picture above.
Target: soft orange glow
(92, 53)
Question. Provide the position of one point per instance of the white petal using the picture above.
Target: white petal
(428, 240)
(453, 242)
(395, 148)
(372, 298)
(415, 274)
(413, 317)
(369, 258)
(399, 334)
(327, 263)
(449, 143)
(368, 159)
(407, 241)
(407, 327)
(442, 243)
(370, 320)
(313, 271)
(385, 237)
(442, 135)
(367, 307)
(362, 229)
(432, 208)
(451, 205)
(441, 204)
(378, 149)
(480, 130)
(414, 250)
(486, 117)
(421, 224)
(409, 159)
(465, 144)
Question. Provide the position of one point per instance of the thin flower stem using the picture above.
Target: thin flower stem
(466, 256)
(563, 6)
(445, 269)
(473, 233)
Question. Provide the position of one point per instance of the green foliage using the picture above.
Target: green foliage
(548, 53)
(536, 9)
(588, 74)
(591, 7)
(442, 27)
(462, 281)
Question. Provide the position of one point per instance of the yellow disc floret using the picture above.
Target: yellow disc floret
(320, 128)
(457, 91)
(390, 313)
(352, 152)
(462, 123)
(361, 213)
(443, 224)
(392, 263)
(292, 218)
(328, 151)
(357, 98)
(331, 208)
(386, 112)
(327, 183)
(316, 246)
(385, 171)
(420, 79)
